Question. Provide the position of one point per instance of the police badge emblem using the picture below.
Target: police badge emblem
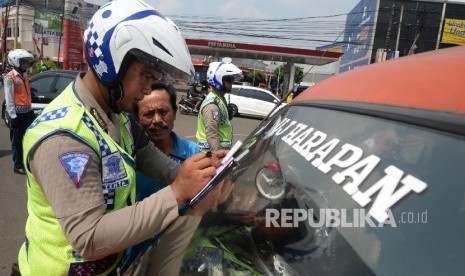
(112, 168)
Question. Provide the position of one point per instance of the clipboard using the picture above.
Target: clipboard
(221, 173)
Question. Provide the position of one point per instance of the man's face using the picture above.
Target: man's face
(136, 84)
(227, 85)
(25, 64)
(156, 115)
(228, 82)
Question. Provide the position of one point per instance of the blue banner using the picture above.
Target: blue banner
(359, 35)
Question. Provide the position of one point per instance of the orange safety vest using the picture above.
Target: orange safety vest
(22, 92)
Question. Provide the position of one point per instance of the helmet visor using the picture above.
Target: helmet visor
(232, 78)
(25, 63)
(165, 71)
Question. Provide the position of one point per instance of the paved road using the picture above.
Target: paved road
(13, 211)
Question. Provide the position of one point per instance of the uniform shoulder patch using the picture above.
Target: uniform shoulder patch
(215, 114)
(75, 164)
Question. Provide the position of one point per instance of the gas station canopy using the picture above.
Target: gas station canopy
(260, 52)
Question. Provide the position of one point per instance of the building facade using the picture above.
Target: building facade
(49, 28)
(377, 30)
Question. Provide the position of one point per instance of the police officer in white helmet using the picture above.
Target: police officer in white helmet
(83, 151)
(19, 114)
(214, 129)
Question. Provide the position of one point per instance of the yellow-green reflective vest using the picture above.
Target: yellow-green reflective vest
(225, 128)
(46, 250)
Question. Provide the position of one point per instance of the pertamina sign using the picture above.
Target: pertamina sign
(219, 44)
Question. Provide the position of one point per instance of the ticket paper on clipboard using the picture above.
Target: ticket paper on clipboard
(221, 173)
(226, 166)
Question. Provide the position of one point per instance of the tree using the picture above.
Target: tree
(250, 75)
(298, 75)
(279, 72)
(47, 63)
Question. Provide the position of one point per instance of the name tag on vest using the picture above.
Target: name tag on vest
(113, 172)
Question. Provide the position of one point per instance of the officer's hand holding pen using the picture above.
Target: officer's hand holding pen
(193, 175)
(219, 194)
(217, 156)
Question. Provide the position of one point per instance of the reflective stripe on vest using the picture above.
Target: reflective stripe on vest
(224, 129)
(46, 250)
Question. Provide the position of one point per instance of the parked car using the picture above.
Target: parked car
(47, 85)
(300, 87)
(362, 174)
(250, 101)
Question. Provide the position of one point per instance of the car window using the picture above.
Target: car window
(374, 176)
(62, 83)
(42, 85)
(235, 91)
(249, 93)
(241, 92)
(264, 97)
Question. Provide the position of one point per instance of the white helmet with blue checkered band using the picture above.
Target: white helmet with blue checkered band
(124, 30)
(217, 71)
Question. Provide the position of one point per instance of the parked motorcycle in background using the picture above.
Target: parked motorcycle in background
(187, 106)
(191, 103)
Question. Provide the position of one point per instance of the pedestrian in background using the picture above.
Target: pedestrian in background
(156, 114)
(195, 96)
(214, 129)
(19, 114)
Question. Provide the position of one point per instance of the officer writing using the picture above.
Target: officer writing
(83, 151)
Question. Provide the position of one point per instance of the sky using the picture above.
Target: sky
(313, 30)
(263, 9)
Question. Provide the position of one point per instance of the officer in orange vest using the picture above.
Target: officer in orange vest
(19, 114)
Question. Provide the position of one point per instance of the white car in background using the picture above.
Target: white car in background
(251, 101)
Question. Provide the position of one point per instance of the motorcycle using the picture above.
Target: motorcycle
(187, 106)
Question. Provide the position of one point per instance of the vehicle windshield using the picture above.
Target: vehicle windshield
(326, 192)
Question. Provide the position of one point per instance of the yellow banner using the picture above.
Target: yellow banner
(454, 32)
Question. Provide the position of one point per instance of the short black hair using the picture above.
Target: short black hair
(170, 90)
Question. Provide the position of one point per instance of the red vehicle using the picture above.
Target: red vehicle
(364, 175)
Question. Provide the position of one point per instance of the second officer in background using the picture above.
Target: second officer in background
(214, 129)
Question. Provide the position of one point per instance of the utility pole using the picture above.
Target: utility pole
(16, 24)
(253, 78)
(41, 44)
(441, 24)
(62, 16)
(414, 46)
(5, 28)
(277, 81)
(417, 33)
(398, 27)
(388, 34)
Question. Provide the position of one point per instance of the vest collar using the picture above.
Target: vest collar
(17, 74)
(96, 110)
